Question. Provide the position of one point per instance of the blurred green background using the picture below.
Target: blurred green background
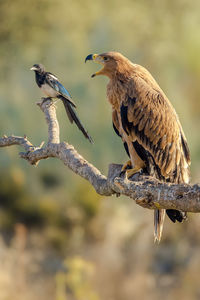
(59, 239)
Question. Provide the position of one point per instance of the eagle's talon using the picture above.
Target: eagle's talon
(127, 165)
(122, 173)
(131, 172)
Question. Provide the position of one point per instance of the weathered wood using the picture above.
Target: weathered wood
(146, 191)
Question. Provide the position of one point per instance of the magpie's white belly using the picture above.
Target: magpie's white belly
(49, 91)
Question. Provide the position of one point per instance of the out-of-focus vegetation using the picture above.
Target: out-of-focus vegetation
(59, 240)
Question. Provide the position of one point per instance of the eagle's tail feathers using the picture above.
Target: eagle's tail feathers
(159, 216)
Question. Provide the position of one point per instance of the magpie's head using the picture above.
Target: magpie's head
(39, 68)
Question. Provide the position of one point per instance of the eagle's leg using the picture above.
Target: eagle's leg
(133, 171)
(136, 162)
(125, 166)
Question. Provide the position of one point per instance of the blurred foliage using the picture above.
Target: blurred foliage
(75, 284)
(59, 213)
(58, 216)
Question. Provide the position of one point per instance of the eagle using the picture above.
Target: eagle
(148, 125)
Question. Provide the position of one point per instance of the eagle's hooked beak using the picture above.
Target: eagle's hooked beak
(90, 57)
(96, 58)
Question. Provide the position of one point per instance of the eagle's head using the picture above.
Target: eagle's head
(112, 62)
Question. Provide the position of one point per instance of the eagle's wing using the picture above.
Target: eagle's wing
(53, 81)
(116, 125)
(149, 118)
(115, 122)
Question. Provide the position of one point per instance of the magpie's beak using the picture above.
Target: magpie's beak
(33, 69)
(98, 59)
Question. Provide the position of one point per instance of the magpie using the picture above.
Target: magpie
(51, 87)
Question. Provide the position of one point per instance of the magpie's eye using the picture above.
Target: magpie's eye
(105, 58)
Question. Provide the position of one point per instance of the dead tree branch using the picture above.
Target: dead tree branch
(146, 191)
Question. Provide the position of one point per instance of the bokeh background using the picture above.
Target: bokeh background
(58, 238)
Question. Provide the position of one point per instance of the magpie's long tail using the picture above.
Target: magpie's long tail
(74, 118)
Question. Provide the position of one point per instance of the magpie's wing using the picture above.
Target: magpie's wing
(53, 81)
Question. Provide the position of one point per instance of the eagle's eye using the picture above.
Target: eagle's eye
(105, 58)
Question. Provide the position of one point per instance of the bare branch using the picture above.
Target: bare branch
(146, 191)
(49, 110)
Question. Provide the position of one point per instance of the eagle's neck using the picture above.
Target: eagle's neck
(116, 90)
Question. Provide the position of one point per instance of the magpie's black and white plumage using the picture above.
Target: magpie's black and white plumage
(51, 87)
